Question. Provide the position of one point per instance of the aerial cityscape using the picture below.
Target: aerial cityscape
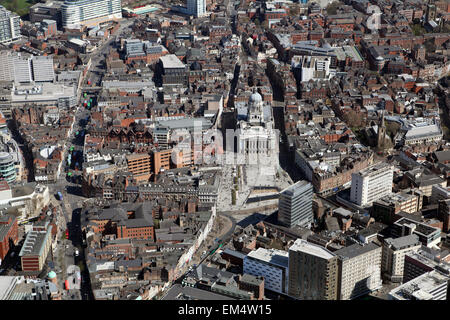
(224, 150)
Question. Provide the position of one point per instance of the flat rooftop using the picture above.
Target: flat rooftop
(297, 188)
(35, 242)
(312, 249)
(375, 169)
(429, 286)
(347, 51)
(171, 61)
(273, 256)
(356, 250)
(403, 242)
(177, 292)
(43, 91)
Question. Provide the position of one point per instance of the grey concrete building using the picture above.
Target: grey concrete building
(295, 205)
(394, 251)
(359, 270)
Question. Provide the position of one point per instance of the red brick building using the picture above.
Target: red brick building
(8, 234)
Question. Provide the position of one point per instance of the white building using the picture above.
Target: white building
(272, 265)
(432, 285)
(78, 13)
(419, 131)
(371, 184)
(314, 67)
(394, 252)
(256, 135)
(360, 267)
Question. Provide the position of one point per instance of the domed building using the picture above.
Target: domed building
(52, 277)
(256, 136)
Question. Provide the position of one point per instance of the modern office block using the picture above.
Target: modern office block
(196, 8)
(313, 272)
(295, 205)
(371, 184)
(428, 235)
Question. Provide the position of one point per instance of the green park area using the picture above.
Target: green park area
(21, 7)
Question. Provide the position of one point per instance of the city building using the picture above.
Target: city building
(78, 13)
(359, 270)
(432, 285)
(418, 132)
(22, 288)
(254, 284)
(24, 68)
(371, 184)
(386, 208)
(36, 248)
(425, 260)
(8, 234)
(444, 214)
(295, 205)
(7, 167)
(46, 93)
(439, 192)
(313, 272)
(272, 265)
(43, 70)
(197, 8)
(124, 220)
(313, 67)
(49, 10)
(140, 165)
(394, 252)
(256, 136)
(9, 26)
(171, 70)
(429, 236)
(423, 179)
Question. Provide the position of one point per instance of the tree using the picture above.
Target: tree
(332, 8)
(353, 119)
(294, 10)
(392, 128)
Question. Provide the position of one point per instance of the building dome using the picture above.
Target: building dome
(196, 66)
(255, 98)
(51, 275)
